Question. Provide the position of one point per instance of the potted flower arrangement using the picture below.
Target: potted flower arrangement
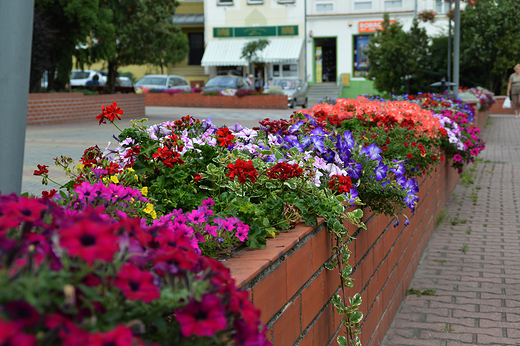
(427, 16)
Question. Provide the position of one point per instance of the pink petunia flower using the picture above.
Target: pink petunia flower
(136, 284)
(457, 157)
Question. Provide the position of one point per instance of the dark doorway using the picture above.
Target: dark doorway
(328, 48)
(196, 41)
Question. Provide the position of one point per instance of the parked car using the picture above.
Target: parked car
(295, 89)
(158, 81)
(220, 83)
(81, 77)
(121, 81)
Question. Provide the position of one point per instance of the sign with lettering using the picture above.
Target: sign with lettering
(255, 31)
(372, 26)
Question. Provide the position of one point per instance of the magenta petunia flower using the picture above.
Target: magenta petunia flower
(196, 216)
(86, 191)
(120, 336)
(203, 318)
(22, 312)
(457, 157)
(136, 284)
(90, 241)
(11, 334)
(242, 231)
(474, 151)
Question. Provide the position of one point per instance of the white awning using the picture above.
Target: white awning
(226, 52)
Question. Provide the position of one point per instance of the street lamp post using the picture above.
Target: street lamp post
(16, 23)
(456, 47)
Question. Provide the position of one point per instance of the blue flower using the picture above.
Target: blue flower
(318, 143)
(319, 131)
(381, 171)
(396, 223)
(312, 121)
(398, 169)
(329, 155)
(411, 186)
(372, 151)
(355, 170)
(296, 126)
(347, 136)
(407, 222)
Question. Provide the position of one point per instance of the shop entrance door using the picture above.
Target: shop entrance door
(325, 59)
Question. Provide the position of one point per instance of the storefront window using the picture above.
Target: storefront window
(361, 63)
(290, 70)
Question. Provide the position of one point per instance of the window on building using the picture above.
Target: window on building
(290, 70)
(360, 58)
(324, 7)
(286, 1)
(393, 3)
(363, 5)
(442, 6)
(196, 41)
(225, 2)
(255, 2)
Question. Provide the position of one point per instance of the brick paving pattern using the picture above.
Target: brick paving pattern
(473, 258)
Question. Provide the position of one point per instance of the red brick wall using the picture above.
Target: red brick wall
(54, 108)
(290, 285)
(199, 100)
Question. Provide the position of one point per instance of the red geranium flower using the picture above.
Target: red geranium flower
(434, 157)
(49, 194)
(225, 137)
(384, 147)
(120, 336)
(90, 241)
(410, 156)
(202, 318)
(341, 183)
(136, 284)
(41, 170)
(197, 177)
(109, 112)
(284, 171)
(243, 170)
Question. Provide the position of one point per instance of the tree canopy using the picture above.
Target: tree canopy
(122, 32)
(398, 59)
(490, 42)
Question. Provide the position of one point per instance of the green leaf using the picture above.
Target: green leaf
(356, 317)
(342, 341)
(356, 300)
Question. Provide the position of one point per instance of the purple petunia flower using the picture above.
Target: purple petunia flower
(372, 151)
(381, 171)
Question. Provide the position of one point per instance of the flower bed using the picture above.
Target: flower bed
(215, 101)
(190, 187)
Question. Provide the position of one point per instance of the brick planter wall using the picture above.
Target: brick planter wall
(199, 100)
(497, 107)
(290, 285)
(54, 108)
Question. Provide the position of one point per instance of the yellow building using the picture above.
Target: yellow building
(190, 17)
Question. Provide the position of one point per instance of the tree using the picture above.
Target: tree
(398, 59)
(490, 44)
(66, 23)
(143, 32)
(250, 52)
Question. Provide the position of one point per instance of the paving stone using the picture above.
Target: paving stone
(477, 298)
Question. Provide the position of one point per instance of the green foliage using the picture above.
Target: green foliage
(397, 58)
(490, 44)
(252, 48)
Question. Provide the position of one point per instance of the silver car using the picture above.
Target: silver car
(295, 89)
(159, 81)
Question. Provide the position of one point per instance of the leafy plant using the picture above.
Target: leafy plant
(418, 293)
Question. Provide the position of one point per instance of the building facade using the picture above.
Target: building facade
(230, 24)
(339, 30)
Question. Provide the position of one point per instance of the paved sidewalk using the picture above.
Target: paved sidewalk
(473, 258)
